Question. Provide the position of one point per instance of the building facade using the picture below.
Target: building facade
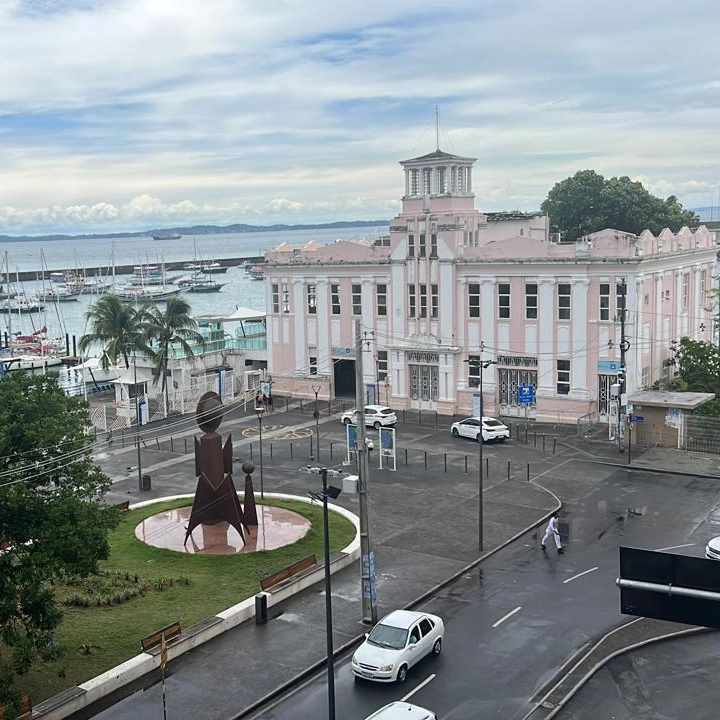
(451, 289)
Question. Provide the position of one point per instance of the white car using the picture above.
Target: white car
(400, 710)
(396, 643)
(712, 549)
(376, 416)
(492, 429)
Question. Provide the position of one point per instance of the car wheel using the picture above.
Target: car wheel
(503, 439)
(402, 674)
(479, 437)
(376, 424)
(455, 432)
(437, 647)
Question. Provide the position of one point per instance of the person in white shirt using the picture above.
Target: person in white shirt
(553, 531)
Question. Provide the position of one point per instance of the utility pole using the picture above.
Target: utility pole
(369, 592)
(622, 374)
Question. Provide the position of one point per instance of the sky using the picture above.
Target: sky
(124, 115)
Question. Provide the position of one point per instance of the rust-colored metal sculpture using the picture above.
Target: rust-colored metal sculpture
(250, 509)
(215, 499)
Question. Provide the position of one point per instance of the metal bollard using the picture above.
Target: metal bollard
(534, 439)
(172, 445)
(543, 442)
(157, 442)
(271, 451)
(425, 453)
(291, 450)
(445, 458)
(251, 448)
(406, 456)
(528, 472)
(331, 449)
(508, 476)
(466, 463)
(185, 445)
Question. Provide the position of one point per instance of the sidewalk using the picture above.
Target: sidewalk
(424, 530)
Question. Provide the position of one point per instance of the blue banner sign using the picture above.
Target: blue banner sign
(526, 395)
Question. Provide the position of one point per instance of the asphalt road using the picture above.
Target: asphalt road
(513, 624)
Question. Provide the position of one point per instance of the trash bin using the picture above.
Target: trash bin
(261, 608)
(146, 482)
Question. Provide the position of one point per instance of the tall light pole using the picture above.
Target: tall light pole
(259, 412)
(137, 422)
(328, 491)
(484, 365)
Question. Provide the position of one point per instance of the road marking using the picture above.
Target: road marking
(575, 577)
(419, 687)
(509, 615)
(675, 547)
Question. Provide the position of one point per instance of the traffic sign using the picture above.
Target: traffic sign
(526, 394)
(637, 418)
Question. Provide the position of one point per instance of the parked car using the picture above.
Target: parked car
(375, 416)
(712, 549)
(492, 429)
(396, 643)
(399, 710)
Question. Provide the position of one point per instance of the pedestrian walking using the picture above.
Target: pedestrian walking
(553, 531)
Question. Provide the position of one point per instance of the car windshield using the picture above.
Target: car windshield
(493, 423)
(388, 636)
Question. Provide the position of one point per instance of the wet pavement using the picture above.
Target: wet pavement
(423, 519)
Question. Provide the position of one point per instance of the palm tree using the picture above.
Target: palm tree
(115, 324)
(162, 329)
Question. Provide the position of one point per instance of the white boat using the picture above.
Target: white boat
(30, 362)
(150, 293)
(60, 293)
(22, 304)
(93, 373)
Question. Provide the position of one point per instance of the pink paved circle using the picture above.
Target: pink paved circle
(276, 527)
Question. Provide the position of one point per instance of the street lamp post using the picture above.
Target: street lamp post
(316, 415)
(259, 412)
(483, 364)
(137, 423)
(328, 491)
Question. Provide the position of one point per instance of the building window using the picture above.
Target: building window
(645, 377)
(441, 181)
(382, 365)
(312, 362)
(563, 377)
(276, 298)
(381, 298)
(311, 304)
(411, 245)
(356, 299)
(563, 301)
(414, 183)
(504, 301)
(473, 362)
(421, 245)
(427, 181)
(604, 301)
(685, 292)
(335, 299)
(423, 300)
(703, 286)
(433, 245)
(531, 301)
(285, 298)
(434, 301)
(474, 300)
(411, 301)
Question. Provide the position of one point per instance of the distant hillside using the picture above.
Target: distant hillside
(202, 230)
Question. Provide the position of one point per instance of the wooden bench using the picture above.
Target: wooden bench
(24, 711)
(288, 572)
(123, 506)
(151, 643)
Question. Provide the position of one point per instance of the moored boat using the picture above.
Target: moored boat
(167, 236)
(22, 304)
(212, 268)
(142, 293)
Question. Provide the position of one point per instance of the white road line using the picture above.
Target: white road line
(675, 547)
(575, 577)
(509, 615)
(419, 687)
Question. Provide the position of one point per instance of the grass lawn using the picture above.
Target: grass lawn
(112, 634)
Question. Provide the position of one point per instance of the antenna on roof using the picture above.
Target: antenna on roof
(437, 128)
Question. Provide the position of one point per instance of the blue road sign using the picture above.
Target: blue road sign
(526, 394)
(637, 418)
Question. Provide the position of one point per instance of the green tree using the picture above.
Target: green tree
(162, 330)
(587, 202)
(697, 369)
(53, 519)
(115, 325)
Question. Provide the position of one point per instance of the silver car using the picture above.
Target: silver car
(492, 429)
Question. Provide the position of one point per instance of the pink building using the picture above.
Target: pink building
(451, 286)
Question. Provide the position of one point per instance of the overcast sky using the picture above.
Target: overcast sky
(133, 114)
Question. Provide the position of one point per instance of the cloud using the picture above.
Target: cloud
(127, 114)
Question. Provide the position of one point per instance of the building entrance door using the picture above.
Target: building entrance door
(604, 383)
(423, 387)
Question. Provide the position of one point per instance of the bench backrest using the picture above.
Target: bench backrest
(287, 572)
(155, 639)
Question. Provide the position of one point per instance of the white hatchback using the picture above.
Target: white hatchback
(492, 429)
(376, 416)
(400, 710)
(396, 643)
(712, 549)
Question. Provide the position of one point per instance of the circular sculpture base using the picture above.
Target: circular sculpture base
(276, 527)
